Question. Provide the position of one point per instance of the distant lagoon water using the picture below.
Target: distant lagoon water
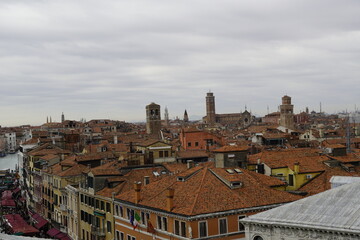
(9, 161)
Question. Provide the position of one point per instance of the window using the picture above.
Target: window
(241, 226)
(119, 235)
(162, 223)
(166, 153)
(161, 154)
(130, 237)
(108, 226)
(203, 229)
(130, 213)
(117, 212)
(196, 144)
(108, 207)
(144, 218)
(189, 144)
(90, 181)
(180, 228)
(121, 211)
(223, 225)
(97, 205)
(183, 229)
(291, 180)
(102, 205)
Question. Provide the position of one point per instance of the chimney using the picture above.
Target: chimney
(146, 180)
(115, 139)
(297, 167)
(137, 188)
(170, 199)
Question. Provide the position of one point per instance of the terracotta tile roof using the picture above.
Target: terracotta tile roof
(107, 169)
(46, 149)
(175, 167)
(192, 154)
(349, 158)
(322, 183)
(335, 146)
(126, 181)
(149, 142)
(309, 161)
(204, 193)
(30, 141)
(231, 149)
(120, 147)
(75, 170)
(49, 157)
(95, 156)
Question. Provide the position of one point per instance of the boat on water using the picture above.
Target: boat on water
(2, 154)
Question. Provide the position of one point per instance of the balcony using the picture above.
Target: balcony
(98, 231)
(63, 207)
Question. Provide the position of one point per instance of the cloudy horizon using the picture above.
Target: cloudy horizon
(109, 59)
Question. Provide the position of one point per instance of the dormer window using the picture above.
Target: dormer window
(235, 184)
(230, 171)
(180, 179)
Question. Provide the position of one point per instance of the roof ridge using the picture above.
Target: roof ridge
(198, 191)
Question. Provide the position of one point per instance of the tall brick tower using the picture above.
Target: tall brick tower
(153, 119)
(287, 113)
(210, 108)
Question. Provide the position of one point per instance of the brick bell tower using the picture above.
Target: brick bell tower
(153, 119)
(287, 113)
(210, 108)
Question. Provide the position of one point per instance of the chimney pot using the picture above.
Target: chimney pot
(137, 188)
(296, 167)
(170, 199)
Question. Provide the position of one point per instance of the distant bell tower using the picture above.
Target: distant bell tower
(166, 116)
(210, 108)
(186, 117)
(287, 113)
(153, 119)
(62, 117)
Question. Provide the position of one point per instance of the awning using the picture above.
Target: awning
(6, 195)
(8, 203)
(18, 225)
(52, 232)
(66, 238)
(16, 190)
(41, 223)
(60, 235)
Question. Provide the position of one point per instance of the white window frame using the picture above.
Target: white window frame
(226, 221)
(207, 230)
(180, 228)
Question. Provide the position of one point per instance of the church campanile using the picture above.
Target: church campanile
(153, 119)
(287, 113)
(210, 108)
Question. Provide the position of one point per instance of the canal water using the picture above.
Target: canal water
(9, 161)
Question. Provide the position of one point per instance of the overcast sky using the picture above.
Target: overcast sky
(109, 59)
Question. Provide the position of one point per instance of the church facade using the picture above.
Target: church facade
(242, 120)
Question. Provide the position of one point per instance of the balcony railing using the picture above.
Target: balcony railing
(63, 207)
(98, 231)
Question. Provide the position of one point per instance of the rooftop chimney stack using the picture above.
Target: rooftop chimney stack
(170, 199)
(296, 167)
(137, 188)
